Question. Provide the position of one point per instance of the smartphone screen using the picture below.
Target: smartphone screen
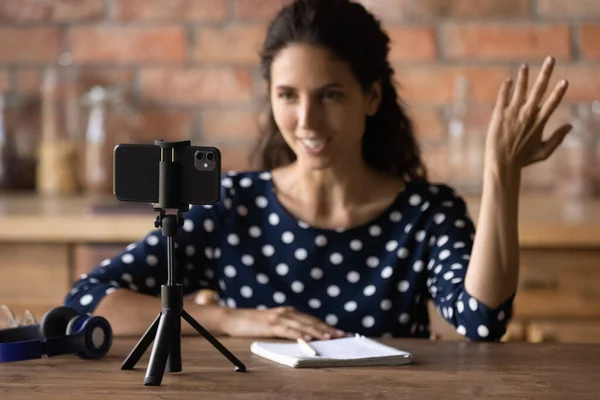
(136, 173)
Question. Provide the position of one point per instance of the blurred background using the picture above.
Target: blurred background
(79, 76)
(92, 73)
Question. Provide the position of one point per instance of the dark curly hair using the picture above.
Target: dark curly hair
(355, 36)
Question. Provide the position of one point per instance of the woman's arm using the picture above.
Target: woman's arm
(450, 245)
(131, 313)
(125, 289)
(494, 267)
(514, 141)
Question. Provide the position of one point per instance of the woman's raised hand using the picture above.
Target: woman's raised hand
(514, 138)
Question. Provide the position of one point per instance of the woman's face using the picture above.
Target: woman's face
(319, 106)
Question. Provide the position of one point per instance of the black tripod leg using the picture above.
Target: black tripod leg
(141, 346)
(160, 351)
(174, 360)
(240, 367)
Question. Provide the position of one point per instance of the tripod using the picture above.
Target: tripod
(166, 328)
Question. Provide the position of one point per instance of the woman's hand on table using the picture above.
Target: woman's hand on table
(282, 322)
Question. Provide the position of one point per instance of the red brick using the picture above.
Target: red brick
(434, 85)
(89, 44)
(161, 123)
(235, 44)
(229, 125)
(507, 42)
(428, 124)
(196, 85)
(386, 10)
(30, 45)
(257, 9)
(233, 158)
(412, 43)
(590, 40)
(171, 10)
(568, 8)
(268, 9)
(429, 9)
(584, 80)
(50, 10)
(30, 79)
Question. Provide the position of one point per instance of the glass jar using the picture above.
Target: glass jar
(5, 150)
(109, 121)
(57, 166)
(576, 158)
(466, 134)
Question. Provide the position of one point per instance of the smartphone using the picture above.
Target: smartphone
(136, 173)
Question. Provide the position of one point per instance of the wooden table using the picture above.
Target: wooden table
(442, 370)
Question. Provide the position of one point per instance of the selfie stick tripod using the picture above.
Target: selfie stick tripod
(166, 351)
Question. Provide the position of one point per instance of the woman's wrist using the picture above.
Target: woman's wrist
(212, 317)
(507, 177)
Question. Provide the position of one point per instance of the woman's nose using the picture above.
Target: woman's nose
(308, 115)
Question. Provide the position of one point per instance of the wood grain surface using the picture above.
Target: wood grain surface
(441, 370)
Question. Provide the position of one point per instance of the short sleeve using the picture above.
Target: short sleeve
(450, 246)
(142, 266)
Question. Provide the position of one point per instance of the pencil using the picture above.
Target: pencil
(307, 347)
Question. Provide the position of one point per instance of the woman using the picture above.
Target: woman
(340, 231)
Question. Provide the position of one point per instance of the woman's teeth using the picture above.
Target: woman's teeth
(313, 143)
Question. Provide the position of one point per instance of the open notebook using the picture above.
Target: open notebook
(343, 352)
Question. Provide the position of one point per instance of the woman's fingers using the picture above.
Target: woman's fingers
(287, 332)
(312, 326)
(503, 95)
(206, 297)
(300, 322)
(536, 126)
(308, 331)
(540, 86)
(520, 93)
(551, 144)
(553, 101)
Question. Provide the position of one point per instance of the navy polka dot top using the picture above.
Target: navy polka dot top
(374, 279)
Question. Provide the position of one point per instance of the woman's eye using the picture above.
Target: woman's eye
(286, 95)
(333, 95)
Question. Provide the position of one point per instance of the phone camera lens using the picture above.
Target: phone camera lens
(200, 156)
(210, 156)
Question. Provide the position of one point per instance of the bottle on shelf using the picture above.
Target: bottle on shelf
(578, 155)
(57, 166)
(5, 152)
(109, 121)
(465, 141)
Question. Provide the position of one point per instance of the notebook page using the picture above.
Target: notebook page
(281, 350)
(352, 348)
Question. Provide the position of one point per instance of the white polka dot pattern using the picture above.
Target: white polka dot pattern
(373, 279)
(353, 276)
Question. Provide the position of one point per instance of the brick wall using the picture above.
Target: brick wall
(191, 65)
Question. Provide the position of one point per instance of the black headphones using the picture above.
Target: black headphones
(62, 330)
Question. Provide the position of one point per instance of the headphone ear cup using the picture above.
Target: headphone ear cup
(54, 322)
(73, 325)
(97, 336)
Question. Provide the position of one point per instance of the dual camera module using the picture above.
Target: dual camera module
(204, 160)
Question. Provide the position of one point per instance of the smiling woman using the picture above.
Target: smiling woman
(328, 71)
(318, 105)
(339, 229)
